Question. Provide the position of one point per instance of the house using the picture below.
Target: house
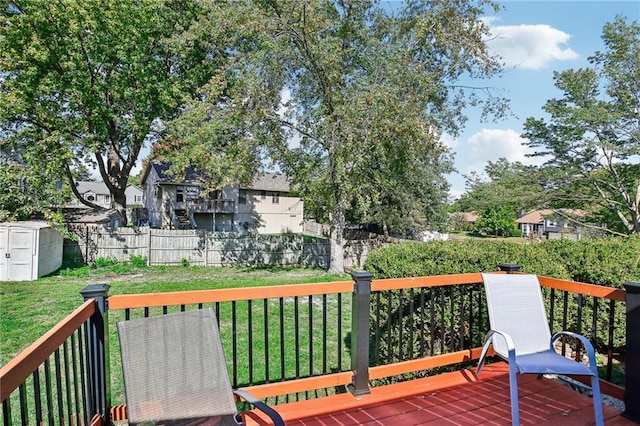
(98, 193)
(265, 206)
(550, 224)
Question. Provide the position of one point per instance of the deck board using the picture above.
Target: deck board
(457, 398)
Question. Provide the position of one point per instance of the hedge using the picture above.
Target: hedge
(398, 318)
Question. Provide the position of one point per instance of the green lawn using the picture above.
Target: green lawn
(28, 309)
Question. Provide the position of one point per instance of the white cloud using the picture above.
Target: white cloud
(529, 46)
(493, 144)
(449, 141)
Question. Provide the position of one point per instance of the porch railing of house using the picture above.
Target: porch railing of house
(292, 342)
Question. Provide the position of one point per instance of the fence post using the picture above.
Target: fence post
(509, 268)
(97, 343)
(632, 373)
(360, 300)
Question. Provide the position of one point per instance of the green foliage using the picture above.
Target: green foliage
(512, 185)
(367, 92)
(592, 136)
(185, 262)
(85, 83)
(609, 262)
(138, 261)
(499, 222)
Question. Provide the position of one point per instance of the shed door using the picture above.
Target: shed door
(17, 254)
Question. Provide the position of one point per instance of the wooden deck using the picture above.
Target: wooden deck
(457, 398)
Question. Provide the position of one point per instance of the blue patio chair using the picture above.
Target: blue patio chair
(175, 372)
(520, 335)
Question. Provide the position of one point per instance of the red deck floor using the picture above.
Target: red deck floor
(458, 398)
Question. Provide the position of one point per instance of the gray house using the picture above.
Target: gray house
(265, 206)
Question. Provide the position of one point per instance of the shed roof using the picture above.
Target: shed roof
(31, 224)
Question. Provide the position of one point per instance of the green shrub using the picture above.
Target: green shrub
(609, 262)
(104, 262)
(138, 261)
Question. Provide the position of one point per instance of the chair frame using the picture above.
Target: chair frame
(239, 393)
(514, 367)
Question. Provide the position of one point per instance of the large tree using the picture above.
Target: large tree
(89, 81)
(593, 132)
(515, 186)
(350, 98)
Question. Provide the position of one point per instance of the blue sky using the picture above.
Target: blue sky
(534, 39)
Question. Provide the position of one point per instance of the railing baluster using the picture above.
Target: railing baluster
(339, 321)
(565, 307)
(377, 331)
(59, 392)
(612, 307)
(37, 395)
(250, 342)
(433, 321)
(296, 320)
(67, 380)
(310, 306)
(423, 346)
(24, 412)
(47, 386)
(324, 334)
(265, 304)
(6, 413)
(400, 325)
(411, 323)
(389, 345)
(282, 338)
(234, 343)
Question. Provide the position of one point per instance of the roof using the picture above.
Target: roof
(471, 216)
(95, 187)
(31, 224)
(537, 216)
(261, 182)
(90, 215)
(269, 182)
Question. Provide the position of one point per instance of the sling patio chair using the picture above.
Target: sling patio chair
(175, 372)
(520, 335)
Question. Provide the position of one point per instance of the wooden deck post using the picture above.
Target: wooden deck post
(509, 268)
(361, 298)
(632, 373)
(97, 343)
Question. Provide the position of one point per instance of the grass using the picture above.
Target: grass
(28, 309)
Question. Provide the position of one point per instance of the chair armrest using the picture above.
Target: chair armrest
(273, 414)
(487, 342)
(591, 353)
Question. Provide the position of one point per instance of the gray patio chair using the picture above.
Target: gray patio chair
(520, 334)
(175, 372)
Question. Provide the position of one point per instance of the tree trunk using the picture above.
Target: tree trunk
(119, 203)
(336, 265)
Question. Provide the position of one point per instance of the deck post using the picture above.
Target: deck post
(360, 300)
(98, 384)
(632, 373)
(509, 268)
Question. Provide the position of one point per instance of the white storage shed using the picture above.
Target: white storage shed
(29, 250)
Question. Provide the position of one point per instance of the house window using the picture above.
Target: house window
(242, 196)
(275, 197)
(179, 195)
(263, 195)
(107, 199)
(91, 198)
(137, 198)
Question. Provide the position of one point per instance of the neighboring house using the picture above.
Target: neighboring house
(549, 224)
(264, 206)
(98, 193)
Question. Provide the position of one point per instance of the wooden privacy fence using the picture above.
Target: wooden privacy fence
(194, 247)
(207, 248)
